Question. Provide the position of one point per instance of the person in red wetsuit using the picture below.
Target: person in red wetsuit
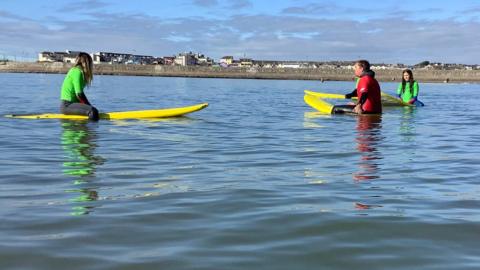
(367, 91)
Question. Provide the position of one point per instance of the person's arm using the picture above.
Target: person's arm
(399, 90)
(363, 98)
(415, 93)
(352, 94)
(363, 92)
(358, 107)
(78, 85)
(83, 99)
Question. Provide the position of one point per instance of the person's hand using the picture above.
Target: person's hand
(411, 101)
(358, 109)
(348, 96)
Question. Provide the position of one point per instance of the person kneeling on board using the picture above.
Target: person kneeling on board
(367, 91)
(73, 99)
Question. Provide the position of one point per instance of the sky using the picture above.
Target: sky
(386, 31)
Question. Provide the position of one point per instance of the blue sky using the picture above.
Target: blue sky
(387, 31)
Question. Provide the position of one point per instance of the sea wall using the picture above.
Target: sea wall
(333, 74)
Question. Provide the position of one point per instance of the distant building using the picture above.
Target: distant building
(266, 63)
(158, 61)
(290, 65)
(110, 58)
(183, 59)
(285, 64)
(122, 58)
(202, 60)
(70, 57)
(186, 59)
(226, 61)
(141, 59)
(168, 60)
(66, 57)
(246, 62)
(50, 57)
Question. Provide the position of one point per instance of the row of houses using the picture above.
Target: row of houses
(197, 59)
(229, 61)
(182, 59)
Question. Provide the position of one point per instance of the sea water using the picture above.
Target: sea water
(257, 180)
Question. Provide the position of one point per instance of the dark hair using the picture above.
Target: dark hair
(364, 64)
(411, 81)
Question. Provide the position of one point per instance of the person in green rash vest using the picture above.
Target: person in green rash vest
(73, 99)
(408, 89)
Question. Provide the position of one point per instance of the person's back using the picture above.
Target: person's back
(73, 85)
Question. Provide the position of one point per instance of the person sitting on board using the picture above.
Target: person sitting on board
(367, 91)
(73, 99)
(407, 90)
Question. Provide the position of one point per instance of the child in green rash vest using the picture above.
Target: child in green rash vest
(408, 89)
(73, 99)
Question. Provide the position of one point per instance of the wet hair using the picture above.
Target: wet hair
(410, 80)
(85, 63)
(364, 64)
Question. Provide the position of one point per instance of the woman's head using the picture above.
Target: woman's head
(85, 62)
(407, 75)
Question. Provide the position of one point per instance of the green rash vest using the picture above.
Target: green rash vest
(73, 85)
(407, 94)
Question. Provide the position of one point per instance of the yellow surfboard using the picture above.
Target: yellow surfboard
(318, 104)
(159, 113)
(387, 100)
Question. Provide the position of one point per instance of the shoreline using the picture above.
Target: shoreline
(319, 74)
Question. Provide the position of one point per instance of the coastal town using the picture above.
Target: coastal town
(198, 59)
(198, 65)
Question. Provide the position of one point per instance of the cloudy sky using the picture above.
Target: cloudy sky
(388, 31)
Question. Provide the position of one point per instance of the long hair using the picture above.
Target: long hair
(85, 63)
(410, 80)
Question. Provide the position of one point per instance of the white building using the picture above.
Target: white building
(66, 57)
(185, 59)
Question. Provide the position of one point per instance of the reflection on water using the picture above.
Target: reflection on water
(368, 139)
(407, 125)
(78, 143)
(310, 117)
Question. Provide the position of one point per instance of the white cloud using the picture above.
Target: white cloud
(287, 37)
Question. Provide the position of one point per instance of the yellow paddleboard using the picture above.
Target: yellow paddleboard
(318, 104)
(387, 100)
(325, 95)
(160, 113)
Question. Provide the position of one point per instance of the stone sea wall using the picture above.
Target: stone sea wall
(332, 74)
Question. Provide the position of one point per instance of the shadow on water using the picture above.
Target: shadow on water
(368, 138)
(78, 143)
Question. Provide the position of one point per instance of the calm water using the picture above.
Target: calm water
(255, 181)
